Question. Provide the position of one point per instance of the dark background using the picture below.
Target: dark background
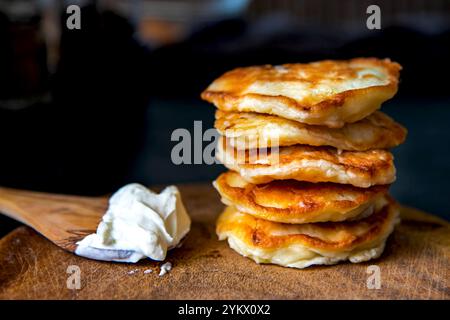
(86, 111)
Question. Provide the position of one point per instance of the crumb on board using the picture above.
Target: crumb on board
(165, 268)
(133, 271)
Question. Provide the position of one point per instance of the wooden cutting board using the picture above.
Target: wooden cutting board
(415, 265)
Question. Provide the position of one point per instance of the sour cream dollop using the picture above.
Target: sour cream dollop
(138, 224)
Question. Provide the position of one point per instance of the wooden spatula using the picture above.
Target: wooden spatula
(63, 219)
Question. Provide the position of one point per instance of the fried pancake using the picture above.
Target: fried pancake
(247, 130)
(291, 201)
(303, 245)
(313, 164)
(329, 93)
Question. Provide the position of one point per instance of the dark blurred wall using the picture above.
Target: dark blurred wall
(83, 137)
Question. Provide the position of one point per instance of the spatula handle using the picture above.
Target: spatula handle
(12, 202)
(61, 218)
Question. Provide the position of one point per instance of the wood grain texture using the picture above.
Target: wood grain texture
(415, 265)
(63, 219)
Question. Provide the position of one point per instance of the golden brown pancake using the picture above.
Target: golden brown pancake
(303, 245)
(329, 93)
(291, 201)
(313, 164)
(247, 130)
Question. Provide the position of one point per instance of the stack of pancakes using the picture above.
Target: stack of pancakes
(309, 162)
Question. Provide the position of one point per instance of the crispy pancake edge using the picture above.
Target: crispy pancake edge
(312, 209)
(314, 164)
(256, 231)
(251, 238)
(387, 135)
(334, 111)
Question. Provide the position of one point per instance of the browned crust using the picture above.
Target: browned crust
(371, 162)
(315, 197)
(256, 232)
(248, 127)
(228, 100)
(372, 166)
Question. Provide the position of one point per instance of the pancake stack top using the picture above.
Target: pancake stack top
(309, 162)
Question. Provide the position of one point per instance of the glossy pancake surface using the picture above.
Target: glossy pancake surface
(313, 164)
(290, 201)
(303, 245)
(247, 130)
(329, 93)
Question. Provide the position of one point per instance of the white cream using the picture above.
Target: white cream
(138, 224)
